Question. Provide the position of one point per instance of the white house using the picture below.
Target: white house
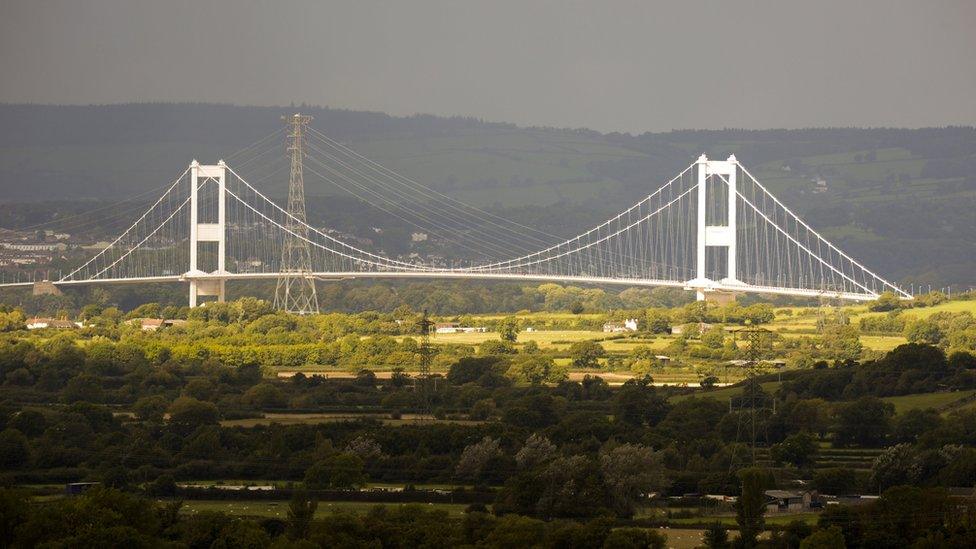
(628, 325)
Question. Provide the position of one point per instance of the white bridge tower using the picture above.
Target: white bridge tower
(208, 226)
(715, 176)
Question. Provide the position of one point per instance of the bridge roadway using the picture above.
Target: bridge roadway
(476, 275)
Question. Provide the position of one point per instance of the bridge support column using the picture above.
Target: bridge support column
(723, 233)
(702, 209)
(211, 229)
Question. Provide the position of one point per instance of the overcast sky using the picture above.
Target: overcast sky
(607, 65)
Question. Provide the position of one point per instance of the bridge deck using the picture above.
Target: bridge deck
(468, 275)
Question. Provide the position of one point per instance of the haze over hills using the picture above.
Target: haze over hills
(900, 200)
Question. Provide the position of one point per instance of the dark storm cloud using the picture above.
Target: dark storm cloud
(609, 65)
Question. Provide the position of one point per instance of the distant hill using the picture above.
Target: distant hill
(904, 201)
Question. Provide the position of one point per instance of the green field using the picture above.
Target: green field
(725, 393)
(921, 312)
(677, 537)
(545, 338)
(927, 400)
(279, 509)
(771, 519)
(902, 403)
(882, 343)
(319, 418)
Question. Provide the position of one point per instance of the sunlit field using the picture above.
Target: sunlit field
(554, 338)
(279, 509)
(944, 401)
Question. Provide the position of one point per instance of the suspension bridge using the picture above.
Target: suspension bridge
(712, 228)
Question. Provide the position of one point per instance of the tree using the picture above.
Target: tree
(243, 534)
(962, 360)
(657, 321)
(637, 403)
(252, 308)
(925, 331)
(14, 450)
(30, 422)
(799, 449)
(714, 337)
(537, 450)
(716, 536)
(631, 471)
(586, 354)
(897, 465)
(887, 301)
(12, 321)
(570, 487)
(516, 531)
(536, 369)
(905, 513)
(163, 486)
(14, 509)
(365, 447)
(841, 342)
(693, 419)
(835, 481)
(341, 471)
(811, 415)
(708, 381)
(829, 538)
(301, 511)
(750, 506)
(476, 457)
(83, 388)
(864, 422)
(508, 329)
(188, 413)
(495, 347)
(487, 371)
(911, 425)
(635, 538)
(150, 408)
(264, 395)
(98, 518)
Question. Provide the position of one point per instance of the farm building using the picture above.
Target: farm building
(779, 501)
(456, 328)
(153, 324)
(37, 323)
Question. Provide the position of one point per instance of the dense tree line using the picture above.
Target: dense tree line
(902, 517)
(178, 400)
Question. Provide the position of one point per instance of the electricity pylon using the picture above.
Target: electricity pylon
(296, 287)
(754, 407)
(426, 354)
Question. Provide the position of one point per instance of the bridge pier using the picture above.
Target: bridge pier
(210, 287)
(45, 287)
